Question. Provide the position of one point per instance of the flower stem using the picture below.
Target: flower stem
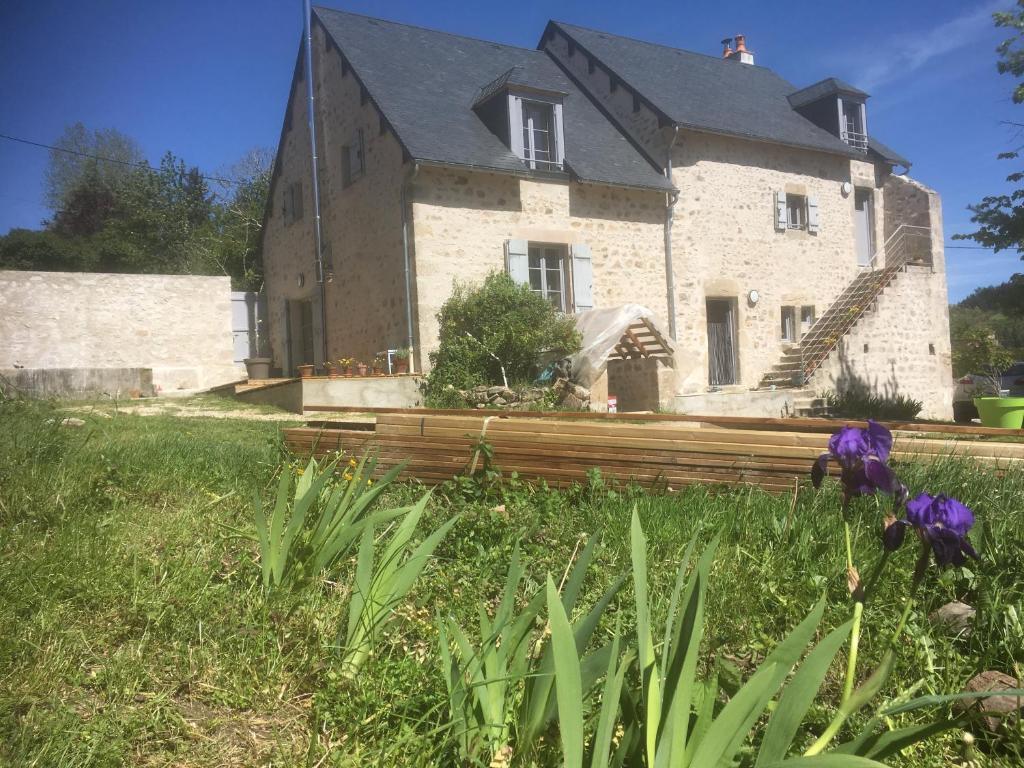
(858, 610)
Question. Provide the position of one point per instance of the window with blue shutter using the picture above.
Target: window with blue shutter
(781, 217)
(582, 278)
(813, 224)
(517, 260)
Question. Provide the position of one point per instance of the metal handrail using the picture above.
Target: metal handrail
(855, 139)
(885, 262)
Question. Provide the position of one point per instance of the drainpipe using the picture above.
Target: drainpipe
(670, 207)
(405, 256)
(321, 278)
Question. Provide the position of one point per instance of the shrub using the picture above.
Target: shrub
(858, 404)
(492, 332)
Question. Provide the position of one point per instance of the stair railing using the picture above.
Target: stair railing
(908, 244)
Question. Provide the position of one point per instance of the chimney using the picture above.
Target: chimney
(727, 48)
(741, 54)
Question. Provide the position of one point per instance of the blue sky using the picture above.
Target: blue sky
(208, 80)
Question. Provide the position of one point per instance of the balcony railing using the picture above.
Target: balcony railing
(858, 141)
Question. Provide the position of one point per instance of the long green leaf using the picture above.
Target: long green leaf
(923, 702)
(827, 761)
(615, 675)
(798, 696)
(569, 688)
(651, 692)
(892, 742)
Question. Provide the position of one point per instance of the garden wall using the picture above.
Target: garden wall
(179, 326)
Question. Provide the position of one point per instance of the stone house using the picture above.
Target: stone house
(762, 221)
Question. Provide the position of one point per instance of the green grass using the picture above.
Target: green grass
(134, 630)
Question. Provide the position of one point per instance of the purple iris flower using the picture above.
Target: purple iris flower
(861, 455)
(941, 522)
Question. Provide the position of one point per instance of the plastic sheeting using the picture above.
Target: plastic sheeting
(602, 330)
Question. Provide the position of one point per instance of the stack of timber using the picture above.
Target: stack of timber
(668, 455)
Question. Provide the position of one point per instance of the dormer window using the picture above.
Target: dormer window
(852, 129)
(538, 134)
(527, 116)
(539, 141)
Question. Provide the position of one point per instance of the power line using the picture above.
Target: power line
(143, 166)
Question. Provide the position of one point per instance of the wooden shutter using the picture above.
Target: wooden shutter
(812, 214)
(362, 153)
(582, 278)
(780, 211)
(517, 260)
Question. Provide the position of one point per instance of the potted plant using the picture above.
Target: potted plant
(306, 371)
(402, 360)
(333, 371)
(979, 352)
(361, 368)
(344, 366)
(380, 364)
(258, 367)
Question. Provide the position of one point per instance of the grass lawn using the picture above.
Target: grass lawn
(134, 628)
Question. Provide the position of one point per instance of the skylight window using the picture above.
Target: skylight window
(537, 132)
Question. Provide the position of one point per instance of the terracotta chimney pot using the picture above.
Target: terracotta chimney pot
(727, 46)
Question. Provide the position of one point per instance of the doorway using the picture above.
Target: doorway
(722, 362)
(300, 334)
(864, 225)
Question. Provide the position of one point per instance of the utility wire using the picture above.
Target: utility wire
(143, 166)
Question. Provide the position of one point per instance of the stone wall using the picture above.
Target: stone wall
(641, 385)
(177, 325)
(899, 348)
(463, 219)
(362, 223)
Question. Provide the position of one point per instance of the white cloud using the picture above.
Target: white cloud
(908, 52)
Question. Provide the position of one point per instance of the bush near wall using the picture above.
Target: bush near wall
(858, 404)
(485, 328)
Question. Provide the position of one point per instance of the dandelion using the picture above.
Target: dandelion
(353, 463)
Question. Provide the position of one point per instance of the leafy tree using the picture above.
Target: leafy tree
(1000, 218)
(68, 170)
(498, 325)
(978, 351)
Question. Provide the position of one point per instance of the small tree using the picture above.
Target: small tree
(498, 325)
(978, 351)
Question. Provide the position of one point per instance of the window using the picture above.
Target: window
(851, 124)
(547, 273)
(353, 160)
(796, 212)
(291, 204)
(789, 324)
(539, 149)
(807, 319)
(562, 274)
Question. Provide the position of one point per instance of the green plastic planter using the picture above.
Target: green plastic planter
(1006, 412)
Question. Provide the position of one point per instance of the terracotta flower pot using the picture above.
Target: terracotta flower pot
(305, 371)
(361, 369)
(333, 371)
(401, 365)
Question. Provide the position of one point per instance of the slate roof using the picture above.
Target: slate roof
(425, 83)
(826, 87)
(708, 93)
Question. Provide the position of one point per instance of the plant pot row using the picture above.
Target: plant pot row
(334, 371)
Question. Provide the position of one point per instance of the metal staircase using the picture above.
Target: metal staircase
(909, 244)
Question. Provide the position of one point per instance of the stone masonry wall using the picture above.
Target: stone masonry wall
(900, 348)
(177, 325)
(462, 220)
(362, 224)
(725, 244)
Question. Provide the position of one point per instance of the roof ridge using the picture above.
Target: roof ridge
(659, 45)
(424, 29)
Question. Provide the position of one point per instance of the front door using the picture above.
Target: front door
(299, 331)
(722, 365)
(864, 226)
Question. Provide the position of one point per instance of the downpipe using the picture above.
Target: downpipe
(670, 206)
(321, 277)
(406, 215)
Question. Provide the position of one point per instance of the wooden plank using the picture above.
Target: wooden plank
(636, 342)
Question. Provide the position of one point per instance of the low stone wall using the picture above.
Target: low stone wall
(755, 403)
(79, 382)
(179, 326)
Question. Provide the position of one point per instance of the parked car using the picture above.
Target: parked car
(974, 385)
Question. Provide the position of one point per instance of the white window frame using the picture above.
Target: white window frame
(564, 270)
(516, 127)
(788, 331)
(801, 207)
